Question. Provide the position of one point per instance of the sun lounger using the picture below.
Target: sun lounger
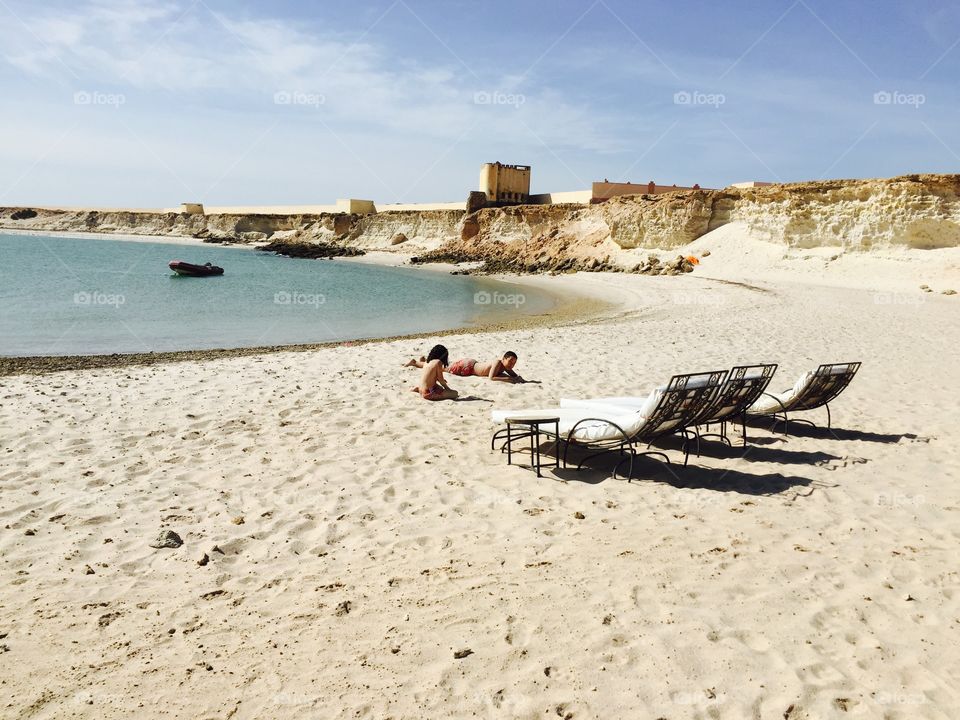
(812, 390)
(742, 387)
(607, 427)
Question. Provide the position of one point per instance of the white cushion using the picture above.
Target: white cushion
(644, 406)
(630, 422)
(766, 404)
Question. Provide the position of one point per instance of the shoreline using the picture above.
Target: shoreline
(573, 306)
(568, 314)
(125, 237)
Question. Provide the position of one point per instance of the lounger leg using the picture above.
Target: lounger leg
(535, 453)
(723, 433)
(827, 406)
(626, 451)
(786, 420)
(743, 428)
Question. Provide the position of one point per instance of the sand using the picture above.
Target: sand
(350, 550)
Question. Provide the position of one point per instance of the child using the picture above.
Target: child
(432, 385)
(500, 369)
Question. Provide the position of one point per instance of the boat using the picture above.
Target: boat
(190, 270)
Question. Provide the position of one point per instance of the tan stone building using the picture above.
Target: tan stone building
(505, 183)
(605, 190)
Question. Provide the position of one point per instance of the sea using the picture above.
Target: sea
(65, 295)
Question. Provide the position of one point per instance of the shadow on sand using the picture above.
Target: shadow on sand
(690, 477)
(805, 430)
(600, 468)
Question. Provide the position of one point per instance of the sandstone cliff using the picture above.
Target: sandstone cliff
(915, 211)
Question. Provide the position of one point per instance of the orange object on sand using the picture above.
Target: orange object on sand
(692, 259)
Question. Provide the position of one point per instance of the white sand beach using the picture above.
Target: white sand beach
(352, 551)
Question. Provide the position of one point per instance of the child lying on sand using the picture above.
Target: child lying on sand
(500, 369)
(432, 385)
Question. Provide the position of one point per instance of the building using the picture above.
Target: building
(505, 183)
(750, 184)
(605, 190)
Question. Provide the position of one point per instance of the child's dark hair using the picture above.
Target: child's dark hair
(511, 354)
(439, 352)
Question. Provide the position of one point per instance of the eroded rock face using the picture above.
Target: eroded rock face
(916, 211)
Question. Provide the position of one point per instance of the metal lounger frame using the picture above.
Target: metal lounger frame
(682, 401)
(742, 388)
(822, 389)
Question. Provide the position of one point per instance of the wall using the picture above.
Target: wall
(605, 190)
(581, 197)
(404, 207)
(358, 207)
(349, 205)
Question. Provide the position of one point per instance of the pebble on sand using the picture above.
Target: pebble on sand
(460, 654)
(167, 539)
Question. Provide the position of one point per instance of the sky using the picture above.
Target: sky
(150, 103)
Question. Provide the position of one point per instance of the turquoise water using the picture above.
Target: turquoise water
(69, 296)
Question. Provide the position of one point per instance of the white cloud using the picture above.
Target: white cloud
(191, 49)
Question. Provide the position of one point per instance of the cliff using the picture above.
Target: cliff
(914, 211)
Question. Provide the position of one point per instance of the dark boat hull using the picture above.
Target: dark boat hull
(190, 270)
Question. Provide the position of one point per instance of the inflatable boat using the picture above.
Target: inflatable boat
(189, 269)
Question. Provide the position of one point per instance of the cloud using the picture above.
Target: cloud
(191, 49)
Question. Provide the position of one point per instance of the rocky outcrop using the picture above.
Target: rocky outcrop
(300, 249)
(914, 211)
